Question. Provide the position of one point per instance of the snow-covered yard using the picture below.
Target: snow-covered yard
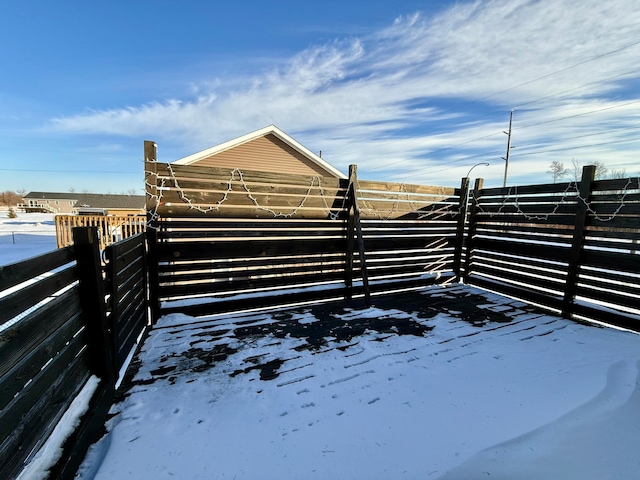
(26, 236)
(449, 383)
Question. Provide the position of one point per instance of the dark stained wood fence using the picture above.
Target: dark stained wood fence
(126, 281)
(409, 233)
(229, 239)
(570, 247)
(43, 362)
(54, 336)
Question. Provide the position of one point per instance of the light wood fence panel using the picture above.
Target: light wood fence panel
(111, 228)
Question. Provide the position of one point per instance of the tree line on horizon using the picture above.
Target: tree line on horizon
(10, 198)
(558, 171)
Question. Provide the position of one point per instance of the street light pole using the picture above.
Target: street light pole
(506, 158)
(477, 165)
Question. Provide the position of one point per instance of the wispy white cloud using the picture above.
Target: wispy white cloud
(425, 94)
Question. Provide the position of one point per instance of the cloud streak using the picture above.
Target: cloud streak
(429, 94)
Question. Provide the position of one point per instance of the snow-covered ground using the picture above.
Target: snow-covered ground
(417, 395)
(26, 236)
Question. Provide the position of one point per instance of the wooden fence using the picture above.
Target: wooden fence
(226, 239)
(571, 247)
(59, 327)
(111, 228)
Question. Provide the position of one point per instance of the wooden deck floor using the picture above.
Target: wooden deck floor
(417, 385)
(405, 313)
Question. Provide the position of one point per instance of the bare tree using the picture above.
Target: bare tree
(616, 174)
(10, 198)
(576, 169)
(557, 170)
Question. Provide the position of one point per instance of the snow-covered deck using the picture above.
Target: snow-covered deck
(450, 383)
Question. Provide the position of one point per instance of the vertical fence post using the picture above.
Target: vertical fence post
(462, 219)
(92, 298)
(577, 244)
(471, 233)
(350, 226)
(353, 193)
(152, 204)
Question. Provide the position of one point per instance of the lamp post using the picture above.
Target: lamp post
(477, 165)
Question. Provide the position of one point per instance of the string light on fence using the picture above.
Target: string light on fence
(572, 190)
(627, 189)
(237, 176)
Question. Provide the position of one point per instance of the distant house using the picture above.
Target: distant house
(268, 150)
(83, 203)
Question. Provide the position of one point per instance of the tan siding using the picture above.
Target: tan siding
(266, 154)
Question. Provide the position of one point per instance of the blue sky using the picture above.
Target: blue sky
(410, 91)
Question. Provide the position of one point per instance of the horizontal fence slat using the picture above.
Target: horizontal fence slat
(240, 234)
(16, 378)
(612, 243)
(19, 272)
(496, 262)
(130, 300)
(427, 244)
(20, 301)
(523, 249)
(527, 236)
(235, 264)
(611, 261)
(218, 187)
(128, 336)
(533, 211)
(225, 174)
(367, 186)
(203, 223)
(560, 220)
(29, 419)
(616, 233)
(616, 184)
(125, 284)
(543, 189)
(553, 270)
(246, 284)
(271, 200)
(183, 210)
(617, 221)
(509, 276)
(266, 300)
(607, 315)
(608, 277)
(521, 293)
(612, 298)
(265, 268)
(123, 257)
(168, 252)
(18, 339)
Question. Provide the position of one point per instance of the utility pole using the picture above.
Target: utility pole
(506, 159)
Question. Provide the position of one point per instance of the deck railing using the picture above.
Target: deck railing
(111, 228)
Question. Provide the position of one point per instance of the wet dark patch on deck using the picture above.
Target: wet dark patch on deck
(332, 325)
(268, 370)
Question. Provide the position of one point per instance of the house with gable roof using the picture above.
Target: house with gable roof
(267, 150)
